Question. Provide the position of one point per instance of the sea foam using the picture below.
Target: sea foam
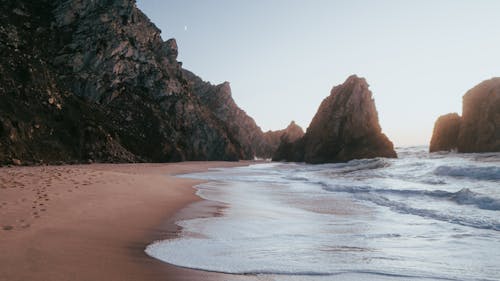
(421, 217)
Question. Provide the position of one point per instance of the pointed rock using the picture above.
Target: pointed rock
(345, 127)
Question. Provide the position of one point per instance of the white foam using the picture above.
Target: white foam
(469, 171)
(415, 221)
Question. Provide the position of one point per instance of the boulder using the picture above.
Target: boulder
(345, 127)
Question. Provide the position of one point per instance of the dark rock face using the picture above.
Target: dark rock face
(345, 127)
(93, 80)
(219, 100)
(479, 126)
(445, 135)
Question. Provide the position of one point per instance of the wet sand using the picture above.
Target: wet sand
(92, 222)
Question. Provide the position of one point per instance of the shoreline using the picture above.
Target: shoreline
(93, 222)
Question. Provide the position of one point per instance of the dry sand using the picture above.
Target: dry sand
(92, 222)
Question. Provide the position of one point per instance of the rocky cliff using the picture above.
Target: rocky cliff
(479, 126)
(345, 127)
(94, 81)
(219, 100)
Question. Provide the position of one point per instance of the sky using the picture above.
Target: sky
(282, 57)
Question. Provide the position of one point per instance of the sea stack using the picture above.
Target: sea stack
(479, 126)
(445, 134)
(345, 127)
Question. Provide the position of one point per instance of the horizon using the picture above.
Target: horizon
(282, 58)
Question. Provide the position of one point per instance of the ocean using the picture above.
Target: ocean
(423, 216)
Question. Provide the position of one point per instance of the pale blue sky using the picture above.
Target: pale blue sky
(282, 57)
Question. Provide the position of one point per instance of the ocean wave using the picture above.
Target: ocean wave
(467, 197)
(434, 181)
(359, 165)
(471, 172)
(462, 197)
(431, 214)
(174, 252)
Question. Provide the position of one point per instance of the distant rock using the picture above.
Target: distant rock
(445, 134)
(280, 141)
(345, 127)
(479, 129)
(291, 133)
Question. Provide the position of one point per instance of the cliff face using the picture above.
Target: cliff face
(94, 80)
(445, 134)
(345, 127)
(219, 100)
(478, 128)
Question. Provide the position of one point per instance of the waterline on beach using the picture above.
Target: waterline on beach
(420, 217)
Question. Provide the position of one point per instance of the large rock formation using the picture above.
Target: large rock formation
(345, 127)
(93, 80)
(445, 135)
(479, 126)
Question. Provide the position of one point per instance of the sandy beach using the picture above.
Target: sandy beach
(92, 222)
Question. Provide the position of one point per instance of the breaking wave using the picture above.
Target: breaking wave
(468, 171)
